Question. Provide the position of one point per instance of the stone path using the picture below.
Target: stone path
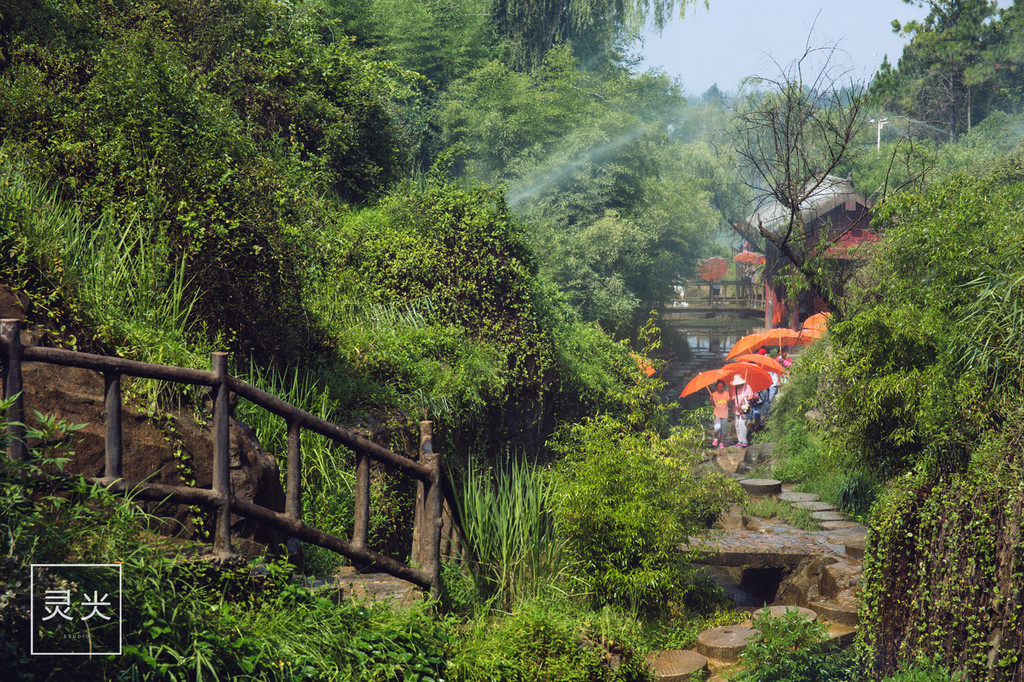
(823, 573)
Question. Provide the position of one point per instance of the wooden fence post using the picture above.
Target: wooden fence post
(10, 332)
(112, 417)
(431, 520)
(361, 524)
(293, 495)
(221, 456)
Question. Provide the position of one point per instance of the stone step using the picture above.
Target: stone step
(677, 665)
(838, 525)
(814, 506)
(840, 614)
(828, 516)
(798, 497)
(761, 486)
(855, 550)
(726, 642)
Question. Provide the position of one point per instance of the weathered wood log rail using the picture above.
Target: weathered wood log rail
(427, 472)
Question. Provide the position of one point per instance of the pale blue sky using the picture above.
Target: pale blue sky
(738, 38)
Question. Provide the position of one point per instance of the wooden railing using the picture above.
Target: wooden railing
(427, 472)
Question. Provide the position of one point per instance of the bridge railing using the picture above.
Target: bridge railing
(427, 520)
(729, 292)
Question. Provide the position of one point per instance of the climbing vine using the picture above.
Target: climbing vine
(944, 574)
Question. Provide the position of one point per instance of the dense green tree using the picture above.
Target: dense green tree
(943, 77)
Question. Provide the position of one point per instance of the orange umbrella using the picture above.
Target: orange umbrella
(749, 257)
(774, 337)
(817, 321)
(702, 380)
(713, 269)
(762, 361)
(758, 378)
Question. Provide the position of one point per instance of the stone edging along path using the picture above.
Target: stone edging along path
(823, 578)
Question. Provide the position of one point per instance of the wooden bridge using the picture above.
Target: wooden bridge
(728, 298)
(219, 498)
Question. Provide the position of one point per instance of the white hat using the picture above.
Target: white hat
(738, 380)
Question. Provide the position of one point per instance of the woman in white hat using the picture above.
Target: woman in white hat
(742, 393)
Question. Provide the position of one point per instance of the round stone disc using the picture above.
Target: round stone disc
(725, 643)
(761, 486)
(677, 665)
(782, 610)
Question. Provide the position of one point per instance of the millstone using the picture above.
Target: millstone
(677, 665)
(725, 643)
(761, 486)
(837, 613)
(799, 497)
(777, 611)
(815, 506)
(828, 516)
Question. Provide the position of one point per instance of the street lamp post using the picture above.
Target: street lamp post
(881, 122)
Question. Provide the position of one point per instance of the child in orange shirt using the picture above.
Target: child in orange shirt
(720, 399)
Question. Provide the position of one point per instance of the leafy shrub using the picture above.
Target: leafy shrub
(543, 641)
(791, 648)
(626, 502)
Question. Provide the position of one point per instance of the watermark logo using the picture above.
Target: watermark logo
(76, 609)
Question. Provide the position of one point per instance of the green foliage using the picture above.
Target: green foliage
(770, 508)
(945, 548)
(620, 207)
(541, 641)
(791, 648)
(513, 550)
(626, 502)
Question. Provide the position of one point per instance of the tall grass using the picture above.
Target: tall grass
(122, 278)
(514, 551)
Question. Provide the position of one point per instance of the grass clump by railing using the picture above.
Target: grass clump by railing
(512, 549)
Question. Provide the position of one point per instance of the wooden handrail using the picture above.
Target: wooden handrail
(426, 531)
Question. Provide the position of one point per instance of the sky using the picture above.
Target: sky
(738, 38)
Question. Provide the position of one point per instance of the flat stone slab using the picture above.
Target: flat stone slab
(837, 613)
(828, 516)
(814, 506)
(761, 486)
(799, 497)
(756, 549)
(677, 665)
(838, 525)
(725, 643)
(777, 611)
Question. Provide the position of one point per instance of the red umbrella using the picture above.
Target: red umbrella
(713, 269)
(762, 361)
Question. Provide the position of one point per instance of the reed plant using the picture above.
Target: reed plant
(514, 551)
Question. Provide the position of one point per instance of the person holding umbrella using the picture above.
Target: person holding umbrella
(720, 399)
(742, 393)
